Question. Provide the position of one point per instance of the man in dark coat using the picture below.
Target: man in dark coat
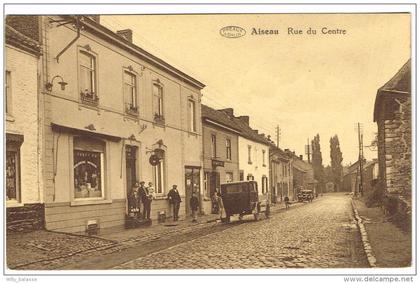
(174, 199)
(143, 193)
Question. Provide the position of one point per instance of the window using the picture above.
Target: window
(8, 92)
(207, 184)
(192, 123)
(228, 149)
(213, 146)
(229, 177)
(87, 83)
(249, 155)
(159, 176)
(130, 92)
(263, 158)
(241, 175)
(158, 102)
(250, 177)
(264, 184)
(89, 168)
(12, 167)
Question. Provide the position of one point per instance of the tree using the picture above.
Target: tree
(317, 163)
(336, 160)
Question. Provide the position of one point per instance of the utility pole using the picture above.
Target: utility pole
(278, 135)
(360, 135)
(308, 151)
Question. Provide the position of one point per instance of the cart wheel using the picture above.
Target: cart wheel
(256, 216)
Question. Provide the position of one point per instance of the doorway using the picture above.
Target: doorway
(192, 184)
(131, 177)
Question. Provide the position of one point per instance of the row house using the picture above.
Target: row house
(23, 176)
(281, 174)
(220, 153)
(351, 177)
(303, 176)
(107, 106)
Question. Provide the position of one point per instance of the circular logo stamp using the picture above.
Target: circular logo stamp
(232, 32)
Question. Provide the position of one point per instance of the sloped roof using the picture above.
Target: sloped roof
(249, 133)
(21, 41)
(279, 152)
(399, 84)
(219, 117)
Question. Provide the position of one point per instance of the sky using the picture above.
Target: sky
(307, 84)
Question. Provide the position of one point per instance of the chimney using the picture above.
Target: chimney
(244, 119)
(301, 157)
(256, 131)
(127, 34)
(228, 111)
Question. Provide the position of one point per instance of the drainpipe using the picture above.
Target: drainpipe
(78, 26)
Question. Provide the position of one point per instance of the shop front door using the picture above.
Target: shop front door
(131, 177)
(192, 184)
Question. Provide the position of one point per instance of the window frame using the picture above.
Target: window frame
(249, 154)
(162, 165)
(91, 98)
(228, 149)
(213, 146)
(192, 116)
(8, 92)
(158, 117)
(131, 108)
(103, 163)
(18, 188)
(263, 158)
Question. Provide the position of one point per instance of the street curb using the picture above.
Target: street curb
(366, 245)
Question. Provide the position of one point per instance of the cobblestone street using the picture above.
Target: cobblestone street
(321, 234)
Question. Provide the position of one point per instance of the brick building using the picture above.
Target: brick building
(392, 113)
(23, 184)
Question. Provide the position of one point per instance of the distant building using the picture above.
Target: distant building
(281, 174)
(351, 176)
(303, 176)
(392, 113)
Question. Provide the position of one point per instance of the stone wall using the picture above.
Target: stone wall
(398, 149)
(27, 218)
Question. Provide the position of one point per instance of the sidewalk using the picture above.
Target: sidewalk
(46, 249)
(390, 245)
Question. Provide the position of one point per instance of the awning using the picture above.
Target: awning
(86, 132)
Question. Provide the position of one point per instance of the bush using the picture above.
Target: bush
(375, 198)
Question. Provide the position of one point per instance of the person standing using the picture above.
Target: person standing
(219, 200)
(286, 202)
(194, 204)
(174, 199)
(143, 192)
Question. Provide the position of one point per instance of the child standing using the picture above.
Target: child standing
(194, 204)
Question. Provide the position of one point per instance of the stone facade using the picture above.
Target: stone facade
(393, 116)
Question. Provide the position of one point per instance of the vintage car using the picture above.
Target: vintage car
(242, 198)
(305, 195)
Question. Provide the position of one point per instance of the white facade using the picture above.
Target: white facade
(254, 162)
(21, 122)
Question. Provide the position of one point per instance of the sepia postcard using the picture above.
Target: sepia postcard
(276, 140)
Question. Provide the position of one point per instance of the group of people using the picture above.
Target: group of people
(142, 195)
